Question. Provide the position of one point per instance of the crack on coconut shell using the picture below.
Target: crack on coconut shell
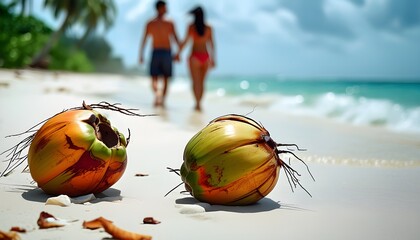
(103, 130)
(107, 135)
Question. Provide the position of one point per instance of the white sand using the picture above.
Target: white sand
(366, 179)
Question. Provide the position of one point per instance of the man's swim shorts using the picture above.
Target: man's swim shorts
(161, 64)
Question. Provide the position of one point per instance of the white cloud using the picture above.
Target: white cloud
(349, 16)
(281, 24)
(342, 10)
(375, 6)
(141, 8)
(328, 37)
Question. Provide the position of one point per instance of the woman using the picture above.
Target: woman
(201, 59)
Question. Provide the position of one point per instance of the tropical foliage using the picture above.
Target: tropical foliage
(25, 40)
(95, 13)
(20, 38)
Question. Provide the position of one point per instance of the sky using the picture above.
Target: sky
(286, 38)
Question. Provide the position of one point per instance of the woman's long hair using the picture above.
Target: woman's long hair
(198, 20)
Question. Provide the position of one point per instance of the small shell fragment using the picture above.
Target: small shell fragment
(150, 220)
(18, 229)
(192, 209)
(47, 220)
(62, 200)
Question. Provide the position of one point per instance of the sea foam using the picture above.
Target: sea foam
(337, 107)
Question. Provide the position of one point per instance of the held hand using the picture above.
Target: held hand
(176, 57)
(212, 63)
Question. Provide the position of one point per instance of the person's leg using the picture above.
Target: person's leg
(154, 72)
(165, 80)
(194, 72)
(198, 73)
(155, 90)
(201, 80)
(166, 72)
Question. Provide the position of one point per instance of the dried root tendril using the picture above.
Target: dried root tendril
(15, 156)
(291, 174)
(129, 136)
(290, 145)
(116, 107)
(177, 172)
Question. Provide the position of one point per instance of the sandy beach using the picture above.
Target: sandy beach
(366, 178)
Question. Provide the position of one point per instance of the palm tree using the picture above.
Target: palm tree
(88, 12)
(71, 9)
(97, 11)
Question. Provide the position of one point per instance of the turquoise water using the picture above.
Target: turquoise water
(405, 93)
(392, 103)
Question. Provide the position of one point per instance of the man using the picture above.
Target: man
(163, 33)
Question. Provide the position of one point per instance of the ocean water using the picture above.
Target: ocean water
(392, 103)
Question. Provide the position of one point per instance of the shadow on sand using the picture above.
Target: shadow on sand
(264, 205)
(35, 194)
